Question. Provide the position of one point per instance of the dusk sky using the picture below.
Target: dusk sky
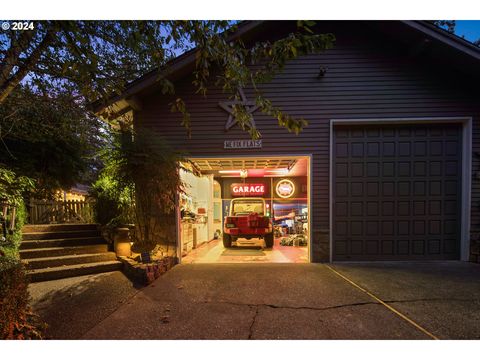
(468, 28)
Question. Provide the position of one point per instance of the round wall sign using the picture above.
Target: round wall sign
(285, 188)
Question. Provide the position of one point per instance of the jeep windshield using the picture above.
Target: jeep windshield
(247, 206)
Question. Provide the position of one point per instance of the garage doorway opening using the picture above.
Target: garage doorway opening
(245, 209)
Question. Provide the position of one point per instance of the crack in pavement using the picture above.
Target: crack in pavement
(273, 306)
(250, 332)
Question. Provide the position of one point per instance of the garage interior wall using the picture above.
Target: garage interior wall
(199, 200)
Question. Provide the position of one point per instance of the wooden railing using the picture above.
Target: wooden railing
(60, 212)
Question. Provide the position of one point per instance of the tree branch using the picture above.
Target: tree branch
(7, 86)
(12, 55)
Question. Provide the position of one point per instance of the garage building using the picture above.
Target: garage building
(391, 147)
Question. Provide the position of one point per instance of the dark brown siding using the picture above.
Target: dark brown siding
(365, 79)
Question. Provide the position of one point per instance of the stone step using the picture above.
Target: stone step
(62, 251)
(48, 235)
(34, 244)
(58, 261)
(73, 270)
(58, 227)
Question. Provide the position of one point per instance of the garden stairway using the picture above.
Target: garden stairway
(65, 250)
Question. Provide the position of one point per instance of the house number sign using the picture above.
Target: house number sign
(242, 144)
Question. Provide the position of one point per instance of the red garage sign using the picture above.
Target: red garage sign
(247, 189)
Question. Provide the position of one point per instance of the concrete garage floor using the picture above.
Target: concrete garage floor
(302, 301)
(246, 252)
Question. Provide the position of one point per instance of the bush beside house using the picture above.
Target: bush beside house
(16, 318)
(137, 189)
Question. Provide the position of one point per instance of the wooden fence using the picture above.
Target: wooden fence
(60, 212)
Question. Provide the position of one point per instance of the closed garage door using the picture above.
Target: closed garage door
(396, 192)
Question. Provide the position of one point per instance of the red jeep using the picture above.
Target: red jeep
(247, 219)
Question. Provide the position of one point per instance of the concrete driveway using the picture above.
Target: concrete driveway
(444, 297)
(302, 301)
(70, 307)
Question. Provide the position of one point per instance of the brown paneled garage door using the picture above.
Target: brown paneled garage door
(396, 192)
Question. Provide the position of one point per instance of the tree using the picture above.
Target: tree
(96, 59)
(448, 25)
(49, 138)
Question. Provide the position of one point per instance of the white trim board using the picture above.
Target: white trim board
(466, 168)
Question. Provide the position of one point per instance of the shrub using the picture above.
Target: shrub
(10, 247)
(144, 161)
(14, 238)
(112, 203)
(13, 188)
(16, 319)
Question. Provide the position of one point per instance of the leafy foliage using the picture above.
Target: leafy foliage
(13, 187)
(237, 65)
(16, 318)
(12, 191)
(448, 25)
(142, 173)
(113, 203)
(10, 248)
(98, 59)
(49, 138)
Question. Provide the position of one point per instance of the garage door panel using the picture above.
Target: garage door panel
(396, 192)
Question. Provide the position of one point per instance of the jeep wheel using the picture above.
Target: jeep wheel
(227, 241)
(268, 240)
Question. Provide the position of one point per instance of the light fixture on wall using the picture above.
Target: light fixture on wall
(229, 171)
(322, 71)
(243, 173)
(279, 172)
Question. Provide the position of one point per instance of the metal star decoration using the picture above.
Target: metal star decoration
(249, 106)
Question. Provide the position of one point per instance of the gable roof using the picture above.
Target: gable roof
(461, 51)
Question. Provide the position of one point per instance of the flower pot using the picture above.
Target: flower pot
(121, 242)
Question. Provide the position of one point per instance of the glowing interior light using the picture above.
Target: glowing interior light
(229, 171)
(282, 171)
